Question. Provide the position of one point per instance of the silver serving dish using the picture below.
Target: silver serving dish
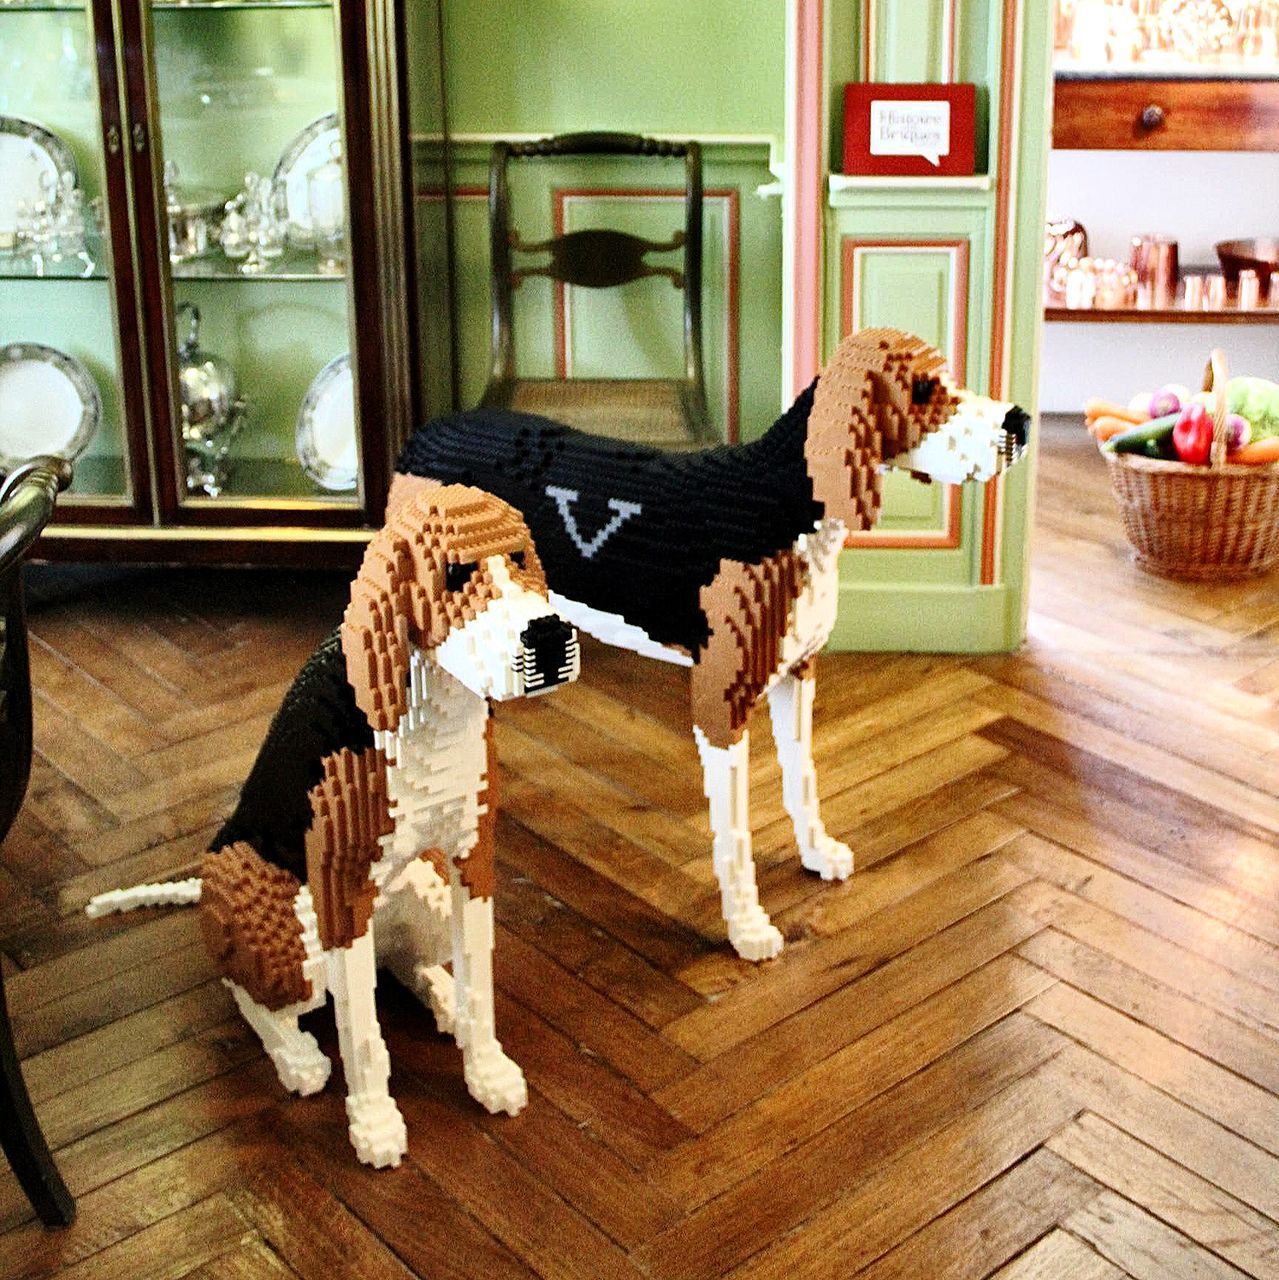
(326, 439)
(311, 148)
(213, 411)
(28, 152)
(195, 220)
(49, 403)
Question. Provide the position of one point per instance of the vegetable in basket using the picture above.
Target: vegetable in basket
(1192, 435)
(1257, 400)
(1151, 439)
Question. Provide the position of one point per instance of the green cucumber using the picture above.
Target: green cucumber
(1152, 439)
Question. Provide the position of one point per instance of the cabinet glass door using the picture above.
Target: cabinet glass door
(250, 143)
(68, 324)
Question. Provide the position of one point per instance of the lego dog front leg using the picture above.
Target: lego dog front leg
(725, 778)
(790, 704)
(376, 1126)
(493, 1079)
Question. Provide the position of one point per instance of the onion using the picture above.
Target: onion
(1238, 431)
(1165, 401)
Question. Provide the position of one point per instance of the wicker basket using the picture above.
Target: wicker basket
(1218, 521)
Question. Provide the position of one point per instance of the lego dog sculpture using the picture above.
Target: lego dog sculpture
(364, 834)
(726, 560)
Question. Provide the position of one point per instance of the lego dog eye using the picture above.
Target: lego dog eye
(456, 576)
(517, 559)
(921, 391)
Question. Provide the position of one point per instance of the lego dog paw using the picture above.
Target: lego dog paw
(831, 859)
(303, 1069)
(377, 1131)
(495, 1081)
(755, 938)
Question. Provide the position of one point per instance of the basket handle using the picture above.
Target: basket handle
(1215, 378)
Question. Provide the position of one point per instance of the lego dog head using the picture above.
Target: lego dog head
(885, 399)
(454, 574)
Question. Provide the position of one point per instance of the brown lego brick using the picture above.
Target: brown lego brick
(747, 608)
(401, 594)
(351, 813)
(250, 925)
(864, 411)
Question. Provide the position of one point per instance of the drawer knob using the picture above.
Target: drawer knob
(1151, 117)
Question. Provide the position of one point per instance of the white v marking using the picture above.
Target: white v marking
(622, 511)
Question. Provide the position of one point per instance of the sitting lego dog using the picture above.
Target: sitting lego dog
(726, 560)
(364, 834)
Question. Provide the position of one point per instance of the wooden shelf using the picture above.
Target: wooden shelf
(1161, 315)
(1140, 113)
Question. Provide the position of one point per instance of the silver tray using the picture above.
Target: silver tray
(326, 440)
(49, 403)
(27, 152)
(311, 148)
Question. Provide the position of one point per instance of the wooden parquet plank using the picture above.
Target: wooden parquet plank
(253, 1260)
(910, 1192)
(1248, 1053)
(717, 1089)
(1252, 1003)
(729, 1229)
(978, 1234)
(1142, 1246)
(819, 967)
(139, 1199)
(1057, 1256)
(803, 1106)
(1227, 1161)
(1199, 1083)
(1171, 1193)
(173, 1247)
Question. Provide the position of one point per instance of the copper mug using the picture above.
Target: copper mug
(1154, 259)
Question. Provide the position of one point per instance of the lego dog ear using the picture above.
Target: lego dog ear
(375, 630)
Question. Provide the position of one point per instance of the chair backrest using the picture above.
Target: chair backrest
(26, 503)
(596, 258)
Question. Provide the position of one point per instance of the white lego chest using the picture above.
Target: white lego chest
(436, 764)
(812, 616)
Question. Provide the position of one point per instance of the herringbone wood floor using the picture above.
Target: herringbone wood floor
(1036, 1035)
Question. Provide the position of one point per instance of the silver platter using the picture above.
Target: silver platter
(326, 440)
(311, 148)
(49, 403)
(27, 152)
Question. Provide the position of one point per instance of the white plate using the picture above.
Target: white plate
(312, 147)
(28, 151)
(49, 403)
(326, 442)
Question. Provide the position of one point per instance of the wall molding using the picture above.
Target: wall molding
(852, 250)
(949, 40)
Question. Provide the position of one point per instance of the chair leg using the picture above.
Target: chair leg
(22, 1139)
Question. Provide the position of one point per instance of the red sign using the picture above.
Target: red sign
(911, 130)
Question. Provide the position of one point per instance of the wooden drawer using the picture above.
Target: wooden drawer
(1114, 114)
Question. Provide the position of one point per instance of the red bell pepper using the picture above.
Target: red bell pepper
(1192, 435)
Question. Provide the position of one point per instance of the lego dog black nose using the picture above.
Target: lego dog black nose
(548, 653)
(1016, 429)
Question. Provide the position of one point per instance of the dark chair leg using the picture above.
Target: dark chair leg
(22, 1140)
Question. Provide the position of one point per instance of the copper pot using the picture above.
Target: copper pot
(1259, 255)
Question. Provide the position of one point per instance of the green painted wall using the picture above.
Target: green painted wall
(660, 66)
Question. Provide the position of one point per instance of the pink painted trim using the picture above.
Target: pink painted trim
(1008, 80)
(948, 538)
(732, 396)
(808, 171)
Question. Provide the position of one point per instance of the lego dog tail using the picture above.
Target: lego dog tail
(172, 894)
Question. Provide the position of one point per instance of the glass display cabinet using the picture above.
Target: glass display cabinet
(197, 202)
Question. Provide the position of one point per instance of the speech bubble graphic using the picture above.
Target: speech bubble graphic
(910, 127)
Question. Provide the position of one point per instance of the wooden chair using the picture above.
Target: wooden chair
(664, 411)
(26, 503)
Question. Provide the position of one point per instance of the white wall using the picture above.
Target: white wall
(1197, 197)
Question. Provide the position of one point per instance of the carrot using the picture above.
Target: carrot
(1096, 408)
(1258, 453)
(1109, 425)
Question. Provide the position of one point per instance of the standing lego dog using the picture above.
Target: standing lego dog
(726, 560)
(364, 833)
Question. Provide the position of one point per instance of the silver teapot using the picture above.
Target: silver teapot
(213, 411)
